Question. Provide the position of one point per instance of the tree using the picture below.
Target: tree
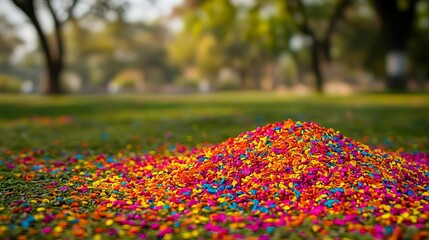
(244, 36)
(320, 45)
(99, 54)
(262, 37)
(8, 42)
(206, 24)
(397, 25)
(54, 53)
(92, 50)
(357, 46)
(419, 45)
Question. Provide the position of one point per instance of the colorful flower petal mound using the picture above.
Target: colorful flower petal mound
(282, 180)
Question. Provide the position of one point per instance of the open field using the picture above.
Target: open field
(110, 123)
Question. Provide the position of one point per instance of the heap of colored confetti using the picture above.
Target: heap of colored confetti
(282, 180)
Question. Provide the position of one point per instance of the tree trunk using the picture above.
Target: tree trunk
(333, 21)
(315, 64)
(54, 59)
(396, 29)
(57, 59)
(54, 83)
(318, 46)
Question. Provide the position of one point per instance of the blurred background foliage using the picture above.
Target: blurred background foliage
(296, 46)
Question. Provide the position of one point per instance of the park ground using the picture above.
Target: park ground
(52, 129)
(107, 124)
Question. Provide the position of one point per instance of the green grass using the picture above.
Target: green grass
(110, 123)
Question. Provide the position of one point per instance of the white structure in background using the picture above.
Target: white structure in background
(396, 63)
(27, 86)
(113, 87)
(228, 79)
(73, 82)
(204, 86)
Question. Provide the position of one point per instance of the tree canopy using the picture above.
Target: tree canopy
(246, 44)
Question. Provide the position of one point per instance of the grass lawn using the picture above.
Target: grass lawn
(71, 166)
(109, 123)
